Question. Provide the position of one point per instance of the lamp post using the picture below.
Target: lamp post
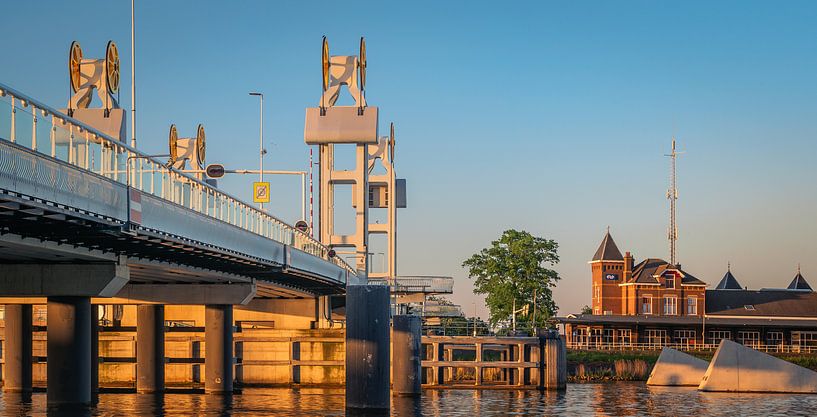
(261, 143)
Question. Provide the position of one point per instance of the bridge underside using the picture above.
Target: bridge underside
(39, 232)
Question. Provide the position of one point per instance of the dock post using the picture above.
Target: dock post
(17, 354)
(556, 366)
(367, 347)
(407, 346)
(218, 348)
(150, 348)
(478, 364)
(69, 351)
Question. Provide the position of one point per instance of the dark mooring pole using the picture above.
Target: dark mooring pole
(407, 344)
(367, 347)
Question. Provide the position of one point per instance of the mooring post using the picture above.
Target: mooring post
(407, 365)
(17, 353)
(556, 367)
(367, 347)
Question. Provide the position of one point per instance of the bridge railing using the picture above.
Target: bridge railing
(417, 284)
(46, 130)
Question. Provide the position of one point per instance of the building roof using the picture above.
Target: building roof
(766, 303)
(728, 282)
(799, 283)
(608, 251)
(647, 271)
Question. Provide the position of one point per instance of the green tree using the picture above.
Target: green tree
(513, 267)
(587, 310)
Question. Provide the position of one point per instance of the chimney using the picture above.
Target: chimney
(628, 266)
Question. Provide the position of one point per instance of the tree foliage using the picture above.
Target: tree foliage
(587, 310)
(513, 267)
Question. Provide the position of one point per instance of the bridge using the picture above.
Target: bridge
(84, 217)
(87, 220)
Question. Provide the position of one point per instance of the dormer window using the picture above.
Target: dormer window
(749, 307)
(669, 281)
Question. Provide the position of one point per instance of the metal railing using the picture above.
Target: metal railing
(417, 284)
(769, 348)
(48, 131)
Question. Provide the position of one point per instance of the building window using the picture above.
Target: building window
(646, 304)
(608, 312)
(607, 337)
(583, 336)
(656, 337)
(715, 336)
(595, 336)
(669, 281)
(692, 306)
(597, 292)
(774, 338)
(597, 311)
(749, 338)
(685, 337)
(625, 337)
(804, 339)
(670, 306)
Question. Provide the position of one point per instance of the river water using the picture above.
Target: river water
(614, 399)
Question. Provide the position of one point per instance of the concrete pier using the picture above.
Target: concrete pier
(218, 348)
(676, 368)
(17, 355)
(94, 323)
(738, 368)
(69, 351)
(150, 348)
(367, 347)
(406, 351)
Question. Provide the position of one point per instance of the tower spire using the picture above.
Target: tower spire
(672, 195)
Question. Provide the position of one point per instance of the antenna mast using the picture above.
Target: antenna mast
(672, 195)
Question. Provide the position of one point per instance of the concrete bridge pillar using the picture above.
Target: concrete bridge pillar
(69, 351)
(218, 348)
(150, 348)
(17, 352)
(94, 322)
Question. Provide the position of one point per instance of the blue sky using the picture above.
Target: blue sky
(546, 116)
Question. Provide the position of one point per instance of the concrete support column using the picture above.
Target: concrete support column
(407, 345)
(150, 348)
(218, 348)
(94, 322)
(17, 354)
(367, 347)
(69, 351)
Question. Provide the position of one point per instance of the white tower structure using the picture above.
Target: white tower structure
(329, 125)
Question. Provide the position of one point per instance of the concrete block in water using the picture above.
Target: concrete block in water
(738, 368)
(676, 368)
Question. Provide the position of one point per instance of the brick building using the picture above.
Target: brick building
(656, 303)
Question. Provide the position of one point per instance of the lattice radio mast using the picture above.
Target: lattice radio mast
(672, 195)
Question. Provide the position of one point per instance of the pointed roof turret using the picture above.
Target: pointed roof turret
(608, 251)
(728, 282)
(799, 283)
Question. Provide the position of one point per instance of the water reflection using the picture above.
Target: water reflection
(615, 399)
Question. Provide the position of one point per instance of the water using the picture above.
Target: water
(614, 399)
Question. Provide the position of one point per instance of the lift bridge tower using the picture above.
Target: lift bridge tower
(329, 125)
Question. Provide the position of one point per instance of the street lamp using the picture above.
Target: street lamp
(261, 140)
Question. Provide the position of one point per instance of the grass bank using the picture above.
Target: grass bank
(599, 366)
